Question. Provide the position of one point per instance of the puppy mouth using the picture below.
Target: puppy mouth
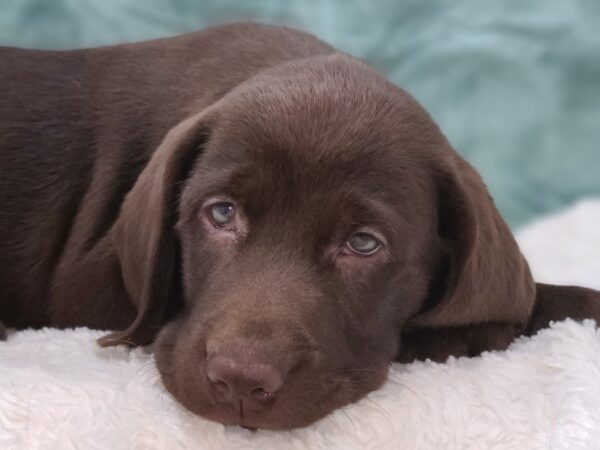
(241, 414)
(249, 413)
(296, 406)
(282, 414)
(309, 392)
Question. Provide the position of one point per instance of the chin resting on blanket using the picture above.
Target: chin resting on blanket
(280, 220)
(58, 390)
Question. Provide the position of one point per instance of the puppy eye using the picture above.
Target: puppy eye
(222, 214)
(363, 244)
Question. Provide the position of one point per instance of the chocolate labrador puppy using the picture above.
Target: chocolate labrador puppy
(280, 220)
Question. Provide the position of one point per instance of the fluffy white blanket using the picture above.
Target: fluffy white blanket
(58, 390)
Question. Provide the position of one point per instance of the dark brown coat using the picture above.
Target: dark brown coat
(114, 159)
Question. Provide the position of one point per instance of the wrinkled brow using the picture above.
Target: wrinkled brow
(365, 203)
(373, 211)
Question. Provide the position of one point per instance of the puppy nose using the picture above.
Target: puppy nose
(237, 378)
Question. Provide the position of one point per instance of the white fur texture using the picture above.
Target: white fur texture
(58, 390)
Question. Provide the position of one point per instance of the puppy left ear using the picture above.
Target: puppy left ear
(487, 279)
(143, 235)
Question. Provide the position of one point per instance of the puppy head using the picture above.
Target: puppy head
(288, 234)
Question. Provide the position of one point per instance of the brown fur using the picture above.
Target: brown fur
(109, 154)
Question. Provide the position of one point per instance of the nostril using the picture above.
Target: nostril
(221, 386)
(261, 395)
(216, 375)
(269, 380)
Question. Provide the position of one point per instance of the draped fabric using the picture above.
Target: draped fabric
(514, 84)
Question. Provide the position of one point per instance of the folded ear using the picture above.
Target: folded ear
(143, 235)
(486, 278)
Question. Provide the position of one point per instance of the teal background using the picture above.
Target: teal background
(515, 85)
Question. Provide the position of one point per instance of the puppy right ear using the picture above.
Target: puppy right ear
(143, 236)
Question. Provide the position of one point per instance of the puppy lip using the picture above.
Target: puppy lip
(273, 416)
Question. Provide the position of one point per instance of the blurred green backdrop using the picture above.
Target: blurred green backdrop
(515, 84)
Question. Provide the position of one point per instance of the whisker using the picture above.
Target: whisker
(144, 367)
(369, 370)
(332, 417)
(408, 388)
(120, 341)
(388, 379)
(381, 408)
(350, 419)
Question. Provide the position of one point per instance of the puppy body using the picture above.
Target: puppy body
(76, 130)
(112, 159)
